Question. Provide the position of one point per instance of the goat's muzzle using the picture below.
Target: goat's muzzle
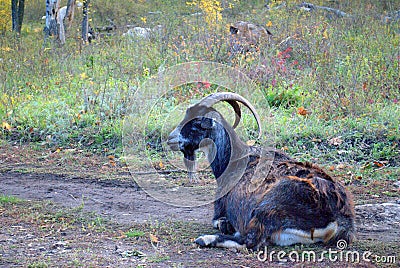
(173, 139)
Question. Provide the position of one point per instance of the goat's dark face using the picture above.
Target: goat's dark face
(196, 131)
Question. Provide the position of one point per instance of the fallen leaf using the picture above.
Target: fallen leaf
(154, 239)
(302, 111)
(336, 141)
(251, 142)
(269, 24)
(6, 126)
(111, 157)
(380, 163)
(341, 166)
(161, 165)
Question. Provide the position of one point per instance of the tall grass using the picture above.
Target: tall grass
(343, 71)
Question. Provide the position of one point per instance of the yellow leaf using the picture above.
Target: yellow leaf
(325, 34)
(154, 239)
(83, 76)
(251, 142)
(269, 24)
(6, 125)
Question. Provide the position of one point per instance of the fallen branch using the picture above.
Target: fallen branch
(167, 171)
(310, 7)
(157, 172)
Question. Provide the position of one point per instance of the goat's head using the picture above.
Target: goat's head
(204, 126)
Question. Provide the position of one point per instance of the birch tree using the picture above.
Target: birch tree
(50, 29)
(17, 14)
(55, 16)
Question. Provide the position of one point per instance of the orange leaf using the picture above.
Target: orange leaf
(378, 164)
(161, 165)
(154, 239)
(111, 157)
(302, 111)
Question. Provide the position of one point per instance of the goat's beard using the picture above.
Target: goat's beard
(190, 163)
(207, 146)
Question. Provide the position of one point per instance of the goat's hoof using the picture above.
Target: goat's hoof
(206, 240)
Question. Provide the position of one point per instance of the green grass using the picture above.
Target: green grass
(134, 233)
(8, 199)
(343, 71)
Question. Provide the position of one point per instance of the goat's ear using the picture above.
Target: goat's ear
(233, 30)
(207, 123)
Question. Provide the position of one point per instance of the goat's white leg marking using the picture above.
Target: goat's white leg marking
(230, 244)
(206, 240)
(215, 224)
(291, 236)
(212, 240)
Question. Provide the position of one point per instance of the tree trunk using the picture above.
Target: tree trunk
(85, 21)
(21, 9)
(14, 15)
(17, 14)
(70, 13)
(52, 7)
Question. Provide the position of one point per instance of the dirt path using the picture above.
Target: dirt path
(378, 228)
(121, 201)
(124, 203)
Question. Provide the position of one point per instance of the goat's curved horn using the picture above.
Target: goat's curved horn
(232, 99)
(238, 112)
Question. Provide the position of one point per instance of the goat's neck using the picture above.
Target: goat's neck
(227, 148)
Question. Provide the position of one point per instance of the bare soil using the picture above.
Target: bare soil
(85, 210)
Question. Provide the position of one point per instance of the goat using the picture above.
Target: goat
(263, 196)
(245, 36)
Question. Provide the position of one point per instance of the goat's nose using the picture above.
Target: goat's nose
(173, 141)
